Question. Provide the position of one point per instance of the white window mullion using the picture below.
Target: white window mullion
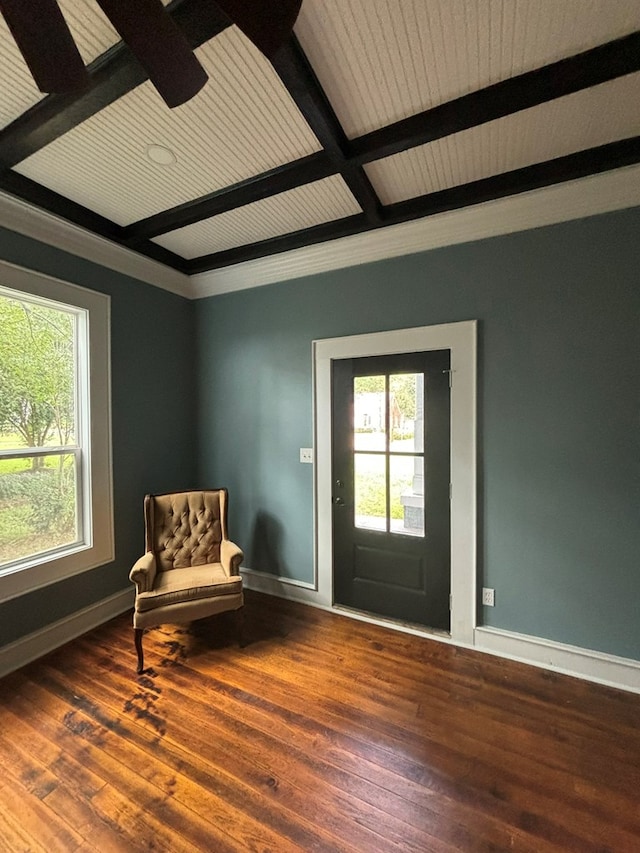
(91, 445)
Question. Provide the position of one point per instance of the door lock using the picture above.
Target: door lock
(338, 501)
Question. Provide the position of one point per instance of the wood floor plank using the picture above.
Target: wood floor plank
(491, 750)
(585, 816)
(99, 833)
(265, 732)
(489, 745)
(149, 786)
(277, 782)
(461, 678)
(31, 825)
(268, 724)
(322, 734)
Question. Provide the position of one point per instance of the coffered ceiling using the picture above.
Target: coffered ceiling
(376, 112)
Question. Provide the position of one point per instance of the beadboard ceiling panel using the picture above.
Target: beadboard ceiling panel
(18, 92)
(92, 33)
(587, 119)
(383, 60)
(304, 207)
(370, 114)
(242, 123)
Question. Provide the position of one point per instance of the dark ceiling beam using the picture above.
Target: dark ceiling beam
(571, 167)
(117, 72)
(299, 239)
(36, 194)
(293, 68)
(569, 75)
(111, 76)
(595, 66)
(315, 167)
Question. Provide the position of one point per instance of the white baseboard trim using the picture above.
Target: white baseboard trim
(610, 670)
(41, 642)
(622, 673)
(253, 576)
(305, 593)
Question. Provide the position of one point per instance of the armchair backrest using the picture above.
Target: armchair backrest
(185, 529)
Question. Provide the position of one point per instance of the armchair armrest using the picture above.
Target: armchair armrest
(143, 573)
(231, 556)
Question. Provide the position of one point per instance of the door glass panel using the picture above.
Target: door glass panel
(370, 491)
(406, 415)
(369, 413)
(407, 494)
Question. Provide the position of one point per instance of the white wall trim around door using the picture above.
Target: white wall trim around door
(460, 338)
(26, 649)
(623, 673)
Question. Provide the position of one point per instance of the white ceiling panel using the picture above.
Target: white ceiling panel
(574, 123)
(242, 123)
(383, 60)
(18, 92)
(93, 34)
(293, 210)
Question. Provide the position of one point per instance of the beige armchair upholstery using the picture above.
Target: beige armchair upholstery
(190, 569)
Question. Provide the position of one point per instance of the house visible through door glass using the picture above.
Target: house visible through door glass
(388, 446)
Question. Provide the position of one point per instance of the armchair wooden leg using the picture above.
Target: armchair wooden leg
(137, 637)
(240, 626)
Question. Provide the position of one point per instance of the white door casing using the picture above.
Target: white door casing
(460, 338)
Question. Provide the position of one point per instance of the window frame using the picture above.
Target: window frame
(93, 310)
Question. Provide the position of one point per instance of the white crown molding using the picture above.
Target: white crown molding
(602, 193)
(17, 215)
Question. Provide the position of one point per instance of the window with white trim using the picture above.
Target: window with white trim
(56, 508)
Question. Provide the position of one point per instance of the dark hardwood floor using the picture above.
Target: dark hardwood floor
(322, 734)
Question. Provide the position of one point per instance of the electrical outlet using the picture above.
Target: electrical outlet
(488, 597)
(306, 454)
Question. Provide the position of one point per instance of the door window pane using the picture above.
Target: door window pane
(369, 413)
(407, 494)
(370, 491)
(406, 412)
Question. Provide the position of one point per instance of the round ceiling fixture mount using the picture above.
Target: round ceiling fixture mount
(160, 155)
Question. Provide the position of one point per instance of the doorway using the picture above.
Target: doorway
(391, 486)
(460, 339)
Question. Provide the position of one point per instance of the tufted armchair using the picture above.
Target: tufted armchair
(190, 569)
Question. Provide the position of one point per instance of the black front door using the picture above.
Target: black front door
(391, 474)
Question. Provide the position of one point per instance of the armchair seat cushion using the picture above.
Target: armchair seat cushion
(193, 583)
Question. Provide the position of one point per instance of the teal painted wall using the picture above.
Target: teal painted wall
(153, 408)
(559, 383)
